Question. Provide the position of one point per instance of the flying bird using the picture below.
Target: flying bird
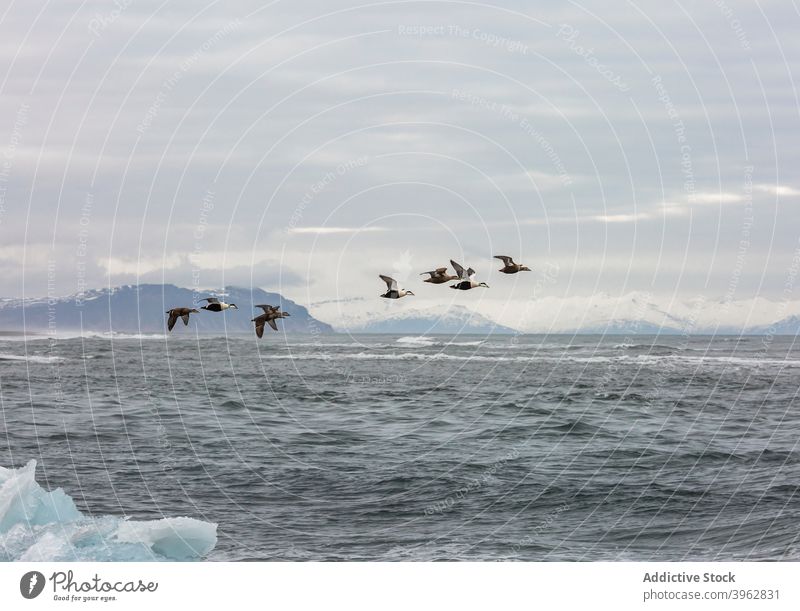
(270, 315)
(215, 305)
(466, 278)
(439, 276)
(393, 292)
(182, 313)
(509, 267)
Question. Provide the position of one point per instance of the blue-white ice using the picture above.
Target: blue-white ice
(37, 525)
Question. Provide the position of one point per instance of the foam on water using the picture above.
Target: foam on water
(642, 359)
(41, 525)
(416, 340)
(30, 358)
(422, 341)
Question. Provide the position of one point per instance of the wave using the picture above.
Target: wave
(417, 340)
(629, 346)
(31, 358)
(636, 360)
(37, 525)
(115, 335)
(428, 342)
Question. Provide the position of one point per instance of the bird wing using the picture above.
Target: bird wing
(267, 308)
(173, 318)
(459, 270)
(391, 283)
(271, 323)
(440, 271)
(506, 260)
(210, 300)
(185, 318)
(259, 327)
(471, 273)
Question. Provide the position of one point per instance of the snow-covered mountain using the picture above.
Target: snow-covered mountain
(632, 313)
(786, 326)
(362, 316)
(142, 309)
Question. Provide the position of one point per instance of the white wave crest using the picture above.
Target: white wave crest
(31, 358)
(416, 340)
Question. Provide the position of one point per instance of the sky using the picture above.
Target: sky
(306, 147)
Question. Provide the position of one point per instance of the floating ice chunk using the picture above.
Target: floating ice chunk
(37, 525)
(22, 500)
(177, 538)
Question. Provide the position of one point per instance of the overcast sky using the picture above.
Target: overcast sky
(305, 147)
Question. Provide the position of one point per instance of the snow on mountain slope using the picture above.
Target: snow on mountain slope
(635, 312)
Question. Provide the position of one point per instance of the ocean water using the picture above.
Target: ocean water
(400, 448)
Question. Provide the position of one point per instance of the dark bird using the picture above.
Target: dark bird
(393, 292)
(270, 315)
(439, 276)
(466, 278)
(176, 313)
(509, 267)
(215, 305)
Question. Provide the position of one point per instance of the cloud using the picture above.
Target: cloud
(268, 110)
(334, 230)
(778, 190)
(716, 198)
(125, 266)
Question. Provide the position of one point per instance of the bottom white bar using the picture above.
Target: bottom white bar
(400, 585)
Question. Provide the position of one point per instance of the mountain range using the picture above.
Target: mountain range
(142, 309)
(136, 309)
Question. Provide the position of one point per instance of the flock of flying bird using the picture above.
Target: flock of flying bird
(214, 304)
(465, 280)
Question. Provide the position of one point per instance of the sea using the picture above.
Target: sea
(399, 448)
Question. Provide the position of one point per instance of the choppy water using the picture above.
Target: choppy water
(390, 448)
